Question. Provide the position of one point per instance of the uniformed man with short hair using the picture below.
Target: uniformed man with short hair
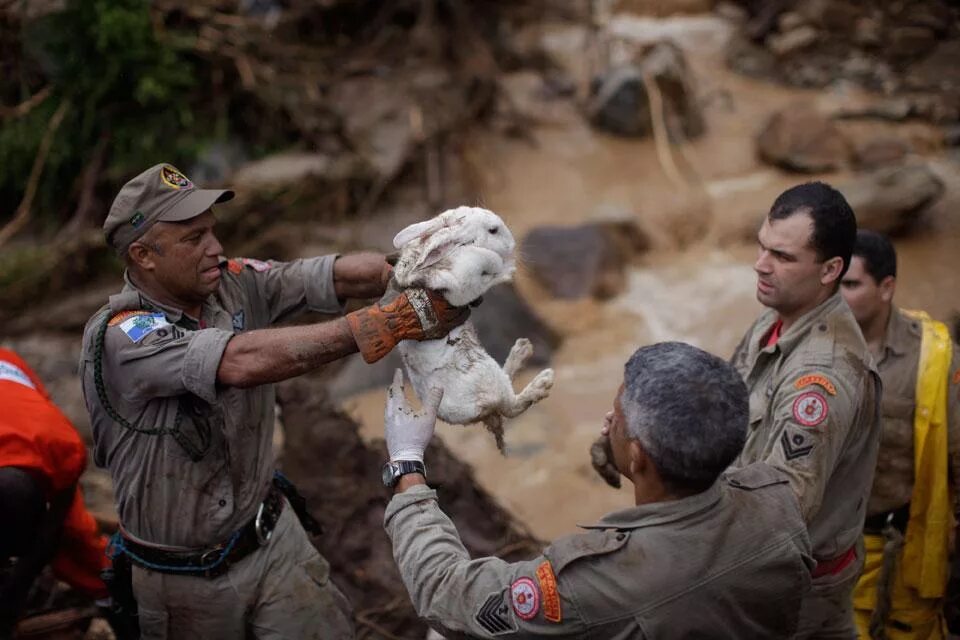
(814, 392)
(907, 530)
(177, 372)
(700, 555)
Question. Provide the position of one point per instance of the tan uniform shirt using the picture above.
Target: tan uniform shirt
(731, 562)
(893, 481)
(814, 413)
(161, 362)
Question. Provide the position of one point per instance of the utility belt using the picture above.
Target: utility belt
(897, 518)
(216, 560)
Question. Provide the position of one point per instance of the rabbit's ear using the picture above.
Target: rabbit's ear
(437, 246)
(415, 231)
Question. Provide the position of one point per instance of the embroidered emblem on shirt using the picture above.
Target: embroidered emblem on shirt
(238, 320)
(173, 178)
(13, 373)
(123, 315)
(143, 323)
(548, 587)
(234, 266)
(806, 381)
(494, 615)
(525, 598)
(810, 409)
(256, 265)
(795, 444)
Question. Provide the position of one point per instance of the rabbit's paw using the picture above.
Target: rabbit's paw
(519, 354)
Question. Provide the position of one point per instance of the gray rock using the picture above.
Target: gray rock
(799, 138)
(784, 44)
(586, 260)
(890, 200)
(502, 318)
(880, 152)
(619, 102)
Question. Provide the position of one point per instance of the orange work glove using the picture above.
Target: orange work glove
(415, 314)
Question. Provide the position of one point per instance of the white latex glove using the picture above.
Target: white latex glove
(406, 431)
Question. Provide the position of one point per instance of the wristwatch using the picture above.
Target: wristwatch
(393, 470)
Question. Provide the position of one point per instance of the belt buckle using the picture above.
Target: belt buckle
(210, 556)
(263, 534)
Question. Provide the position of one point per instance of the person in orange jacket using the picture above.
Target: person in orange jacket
(45, 521)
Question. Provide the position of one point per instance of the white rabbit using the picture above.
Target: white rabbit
(461, 253)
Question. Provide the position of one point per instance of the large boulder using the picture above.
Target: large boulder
(585, 260)
(799, 138)
(619, 103)
(890, 200)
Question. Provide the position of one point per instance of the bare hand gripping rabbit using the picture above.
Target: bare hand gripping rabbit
(460, 254)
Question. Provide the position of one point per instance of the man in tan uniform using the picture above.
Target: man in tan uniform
(176, 374)
(909, 514)
(701, 555)
(813, 391)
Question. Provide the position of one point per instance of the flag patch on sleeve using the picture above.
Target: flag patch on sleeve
(140, 324)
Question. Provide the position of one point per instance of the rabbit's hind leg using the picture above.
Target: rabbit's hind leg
(519, 354)
(537, 390)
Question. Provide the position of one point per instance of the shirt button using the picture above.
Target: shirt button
(822, 327)
(222, 502)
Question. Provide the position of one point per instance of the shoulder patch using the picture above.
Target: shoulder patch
(234, 266)
(815, 378)
(551, 596)
(494, 615)
(123, 315)
(796, 444)
(956, 377)
(141, 324)
(525, 598)
(256, 265)
(810, 409)
(12, 373)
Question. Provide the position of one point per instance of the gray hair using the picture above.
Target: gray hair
(688, 409)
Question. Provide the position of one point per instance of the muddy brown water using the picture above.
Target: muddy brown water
(702, 293)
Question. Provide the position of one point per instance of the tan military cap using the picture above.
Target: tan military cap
(161, 193)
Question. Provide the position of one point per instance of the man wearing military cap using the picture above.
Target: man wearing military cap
(177, 371)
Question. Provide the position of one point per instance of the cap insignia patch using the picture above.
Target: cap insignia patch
(174, 179)
(525, 598)
(137, 219)
(810, 409)
(806, 381)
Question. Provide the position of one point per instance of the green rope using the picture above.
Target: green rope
(195, 453)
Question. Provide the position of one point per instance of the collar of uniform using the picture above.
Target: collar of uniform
(902, 331)
(656, 513)
(796, 333)
(173, 314)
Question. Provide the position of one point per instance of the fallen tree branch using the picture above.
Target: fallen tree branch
(22, 214)
(25, 107)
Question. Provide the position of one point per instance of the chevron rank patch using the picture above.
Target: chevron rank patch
(817, 379)
(796, 443)
(494, 615)
(810, 409)
(142, 323)
(551, 596)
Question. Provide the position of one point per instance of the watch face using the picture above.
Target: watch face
(388, 475)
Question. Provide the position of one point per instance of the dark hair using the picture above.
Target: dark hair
(879, 256)
(688, 409)
(834, 224)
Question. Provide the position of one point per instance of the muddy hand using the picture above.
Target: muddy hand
(414, 314)
(406, 431)
(601, 455)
